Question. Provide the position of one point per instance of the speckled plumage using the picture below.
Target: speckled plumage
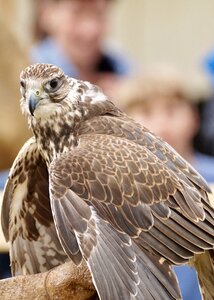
(93, 184)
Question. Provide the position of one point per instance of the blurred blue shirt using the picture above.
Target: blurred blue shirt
(208, 65)
(3, 178)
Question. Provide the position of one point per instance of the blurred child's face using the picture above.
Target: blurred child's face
(78, 26)
(176, 121)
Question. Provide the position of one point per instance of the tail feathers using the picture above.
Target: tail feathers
(204, 265)
(157, 278)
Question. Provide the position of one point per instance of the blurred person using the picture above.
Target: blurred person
(164, 104)
(72, 34)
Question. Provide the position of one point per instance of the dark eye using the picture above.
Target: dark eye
(54, 83)
(22, 83)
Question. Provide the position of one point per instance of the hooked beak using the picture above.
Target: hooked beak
(33, 101)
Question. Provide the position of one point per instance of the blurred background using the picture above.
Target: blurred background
(148, 32)
(179, 32)
(166, 46)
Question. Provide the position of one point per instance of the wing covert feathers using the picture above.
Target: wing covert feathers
(138, 187)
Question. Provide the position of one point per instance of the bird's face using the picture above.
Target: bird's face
(43, 87)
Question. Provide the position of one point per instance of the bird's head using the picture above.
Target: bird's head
(43, 87)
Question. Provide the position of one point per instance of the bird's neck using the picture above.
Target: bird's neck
(56, 136)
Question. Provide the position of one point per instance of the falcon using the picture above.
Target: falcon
(93, 185)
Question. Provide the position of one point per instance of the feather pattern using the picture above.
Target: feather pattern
(27, 220)
(93, 184)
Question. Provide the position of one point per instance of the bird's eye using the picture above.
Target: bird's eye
(54, 83)
(22, 83)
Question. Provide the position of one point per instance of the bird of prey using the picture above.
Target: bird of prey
(94, 185)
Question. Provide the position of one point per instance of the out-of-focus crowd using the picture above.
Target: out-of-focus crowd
(71, 34)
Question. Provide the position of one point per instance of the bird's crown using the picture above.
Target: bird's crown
(40, 71)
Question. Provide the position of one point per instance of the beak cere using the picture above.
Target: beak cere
(33, 101)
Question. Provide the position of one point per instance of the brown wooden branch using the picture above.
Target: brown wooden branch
(62, 283)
